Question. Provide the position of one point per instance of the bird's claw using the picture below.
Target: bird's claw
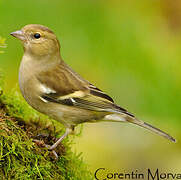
(42, 144)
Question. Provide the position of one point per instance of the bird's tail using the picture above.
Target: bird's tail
(130, 119)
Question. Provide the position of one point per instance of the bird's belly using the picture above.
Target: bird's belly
(70, 115)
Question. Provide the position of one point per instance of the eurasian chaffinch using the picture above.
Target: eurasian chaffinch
(51, 87)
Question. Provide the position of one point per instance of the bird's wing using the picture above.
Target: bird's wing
(66, 87)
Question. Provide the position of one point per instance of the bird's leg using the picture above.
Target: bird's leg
(68, 130)
(51, 148)
(42, 144)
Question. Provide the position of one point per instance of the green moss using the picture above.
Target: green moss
(20, 157)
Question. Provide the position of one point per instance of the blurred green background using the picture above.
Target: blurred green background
(129, 49)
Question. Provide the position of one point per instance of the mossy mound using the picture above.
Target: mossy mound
(20, 157)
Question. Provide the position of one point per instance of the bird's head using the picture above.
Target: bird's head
(38, 40)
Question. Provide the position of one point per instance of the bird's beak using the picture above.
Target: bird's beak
(18, 34)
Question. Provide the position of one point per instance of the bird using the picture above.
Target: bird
(51, 87)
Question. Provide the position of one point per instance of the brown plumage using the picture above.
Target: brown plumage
(53, 88)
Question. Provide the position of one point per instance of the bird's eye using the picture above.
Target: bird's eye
(37, 35)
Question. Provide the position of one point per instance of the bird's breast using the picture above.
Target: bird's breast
(28, 82)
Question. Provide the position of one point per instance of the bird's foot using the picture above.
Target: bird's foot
(41, 143)
(52, 148)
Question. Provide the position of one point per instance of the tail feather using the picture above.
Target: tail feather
(124, 118)
(153, 129)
